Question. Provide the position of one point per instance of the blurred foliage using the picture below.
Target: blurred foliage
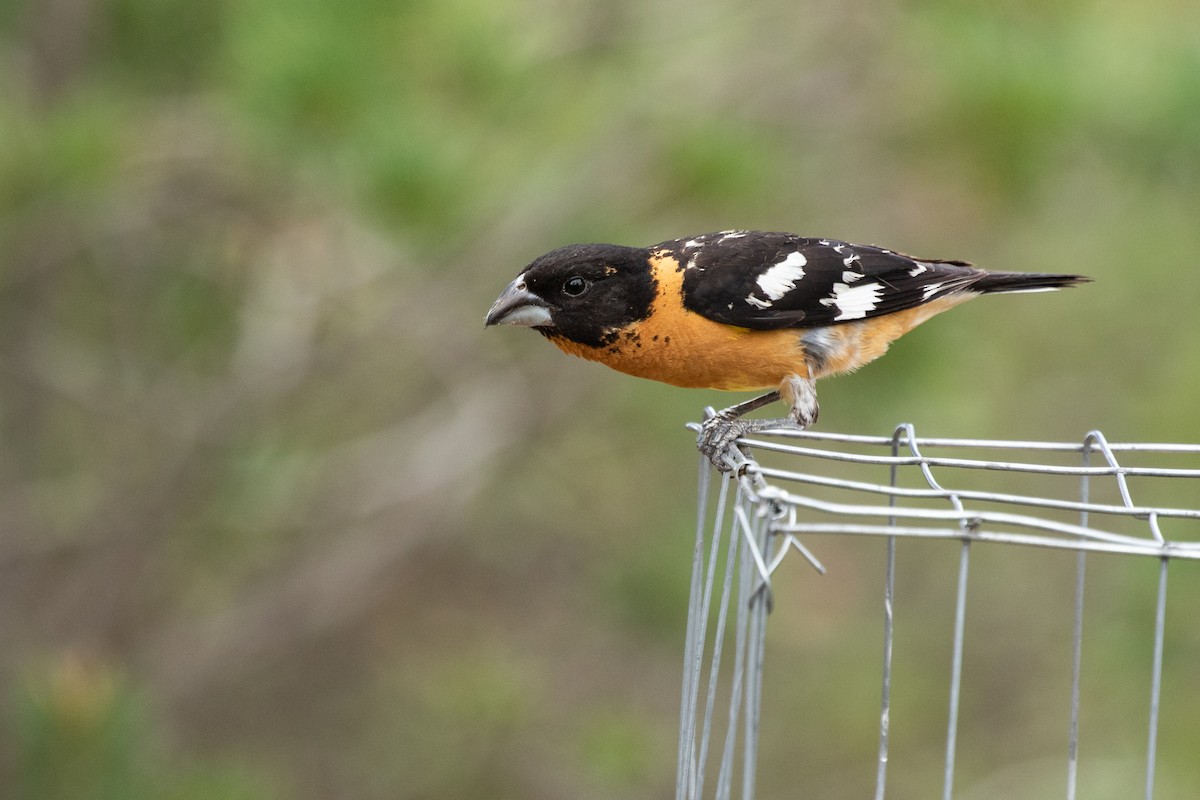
(81, 733)
(280, 520)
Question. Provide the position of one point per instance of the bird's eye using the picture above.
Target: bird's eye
(575, 286)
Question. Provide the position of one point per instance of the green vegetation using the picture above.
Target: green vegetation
(278, 518)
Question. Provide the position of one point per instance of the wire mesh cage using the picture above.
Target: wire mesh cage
(1033, 547)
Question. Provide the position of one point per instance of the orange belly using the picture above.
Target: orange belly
(700, 354)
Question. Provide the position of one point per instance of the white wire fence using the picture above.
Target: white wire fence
(794, 490)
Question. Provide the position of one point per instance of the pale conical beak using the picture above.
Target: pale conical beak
(516, 305)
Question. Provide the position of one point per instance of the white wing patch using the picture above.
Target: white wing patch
(930, 290)
(854, 302)
(781, 278)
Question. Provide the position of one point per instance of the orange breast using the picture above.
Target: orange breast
(682, 348)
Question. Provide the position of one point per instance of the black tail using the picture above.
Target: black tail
(1024, 282)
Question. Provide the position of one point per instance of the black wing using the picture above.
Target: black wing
(766, 281)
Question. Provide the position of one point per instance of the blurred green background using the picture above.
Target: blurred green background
(279, 519)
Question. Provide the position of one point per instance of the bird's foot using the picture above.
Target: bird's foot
(717, 433)
(720, 432)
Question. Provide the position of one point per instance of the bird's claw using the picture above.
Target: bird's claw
(720, 431)
(717, 435)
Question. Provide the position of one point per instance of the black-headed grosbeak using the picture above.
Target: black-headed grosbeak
(741, 310)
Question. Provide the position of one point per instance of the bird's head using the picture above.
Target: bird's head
(582, 292)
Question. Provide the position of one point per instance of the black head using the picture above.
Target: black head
(583, 292)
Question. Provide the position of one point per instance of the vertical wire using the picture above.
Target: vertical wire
(1077, 636)
(714, 670)
(756, 646)
(691, 662)
(746, 588)
(750, 720)
(960, 615)
(1160, 618)
(889, 590)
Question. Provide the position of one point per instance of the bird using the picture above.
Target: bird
(742, 310)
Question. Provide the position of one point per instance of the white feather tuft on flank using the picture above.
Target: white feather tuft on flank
(781, 278)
